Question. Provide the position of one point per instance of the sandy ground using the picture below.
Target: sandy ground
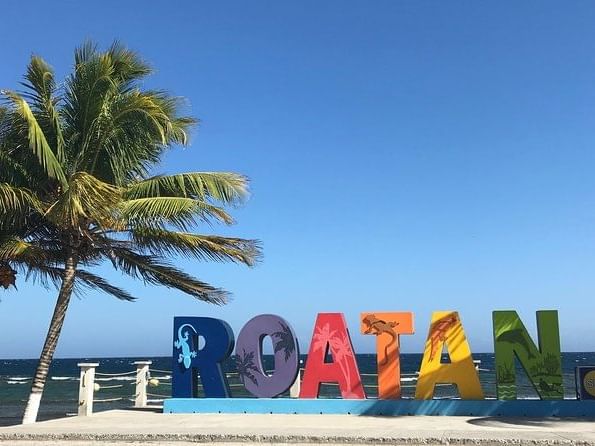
(138, 443)
(130, 427)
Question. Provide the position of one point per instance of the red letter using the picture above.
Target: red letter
(330, 334)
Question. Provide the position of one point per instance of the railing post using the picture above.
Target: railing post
(142, 374)
(294, 390)
(86, 388)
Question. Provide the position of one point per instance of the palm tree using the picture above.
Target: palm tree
(76, 188)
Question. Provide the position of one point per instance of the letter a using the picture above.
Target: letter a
(446, 328)
(330, 334)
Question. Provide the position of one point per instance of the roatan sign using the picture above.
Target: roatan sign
(542, 364)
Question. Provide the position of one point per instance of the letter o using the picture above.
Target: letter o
(249, 356)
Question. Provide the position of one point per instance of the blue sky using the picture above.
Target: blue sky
(406, 156)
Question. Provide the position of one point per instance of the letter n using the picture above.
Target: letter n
(543, 366)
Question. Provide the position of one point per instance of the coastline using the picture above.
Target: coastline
(60, 397)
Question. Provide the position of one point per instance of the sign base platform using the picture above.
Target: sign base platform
(478, 408)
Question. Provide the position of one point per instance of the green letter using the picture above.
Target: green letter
(543, 366)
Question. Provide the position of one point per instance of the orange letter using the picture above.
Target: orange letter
(387, 327)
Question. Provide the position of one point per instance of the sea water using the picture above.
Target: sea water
(117, 392)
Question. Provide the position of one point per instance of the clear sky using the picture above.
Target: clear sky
(411, 155)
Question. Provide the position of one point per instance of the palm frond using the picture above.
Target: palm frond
(133, 132)
(36, 138)
(87, 94)
(16, 205)
(203, 247)
(85, 198)
(85, 52)
(128, 65)
(138, 106)
(156, 272)
(41, 89)
(92, 281)
(177, 126)
(42, 274)
(14, 172)
(52, 276)
(179, 212)
(18, 250)
(226, 187)
(40, 80)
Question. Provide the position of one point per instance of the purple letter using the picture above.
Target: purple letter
(249, 356)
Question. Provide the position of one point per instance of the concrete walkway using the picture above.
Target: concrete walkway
(128, 426)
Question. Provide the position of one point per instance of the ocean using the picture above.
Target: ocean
(117, 392)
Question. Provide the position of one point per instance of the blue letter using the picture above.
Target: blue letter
(188, 360)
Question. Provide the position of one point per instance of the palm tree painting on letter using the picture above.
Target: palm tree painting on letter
(340, 349)
(285, 340)
(77, 188)
(246, 367)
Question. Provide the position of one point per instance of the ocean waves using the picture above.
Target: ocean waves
(27, 380)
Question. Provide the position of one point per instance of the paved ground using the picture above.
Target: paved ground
(133, 427)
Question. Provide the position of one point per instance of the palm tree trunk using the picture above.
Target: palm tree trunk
(51, 341)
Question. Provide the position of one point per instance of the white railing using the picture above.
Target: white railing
(88, 387)
(145, 378)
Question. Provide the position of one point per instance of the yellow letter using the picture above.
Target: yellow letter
(446, 328)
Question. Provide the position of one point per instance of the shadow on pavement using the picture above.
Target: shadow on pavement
(525, 422)
(154, 409)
